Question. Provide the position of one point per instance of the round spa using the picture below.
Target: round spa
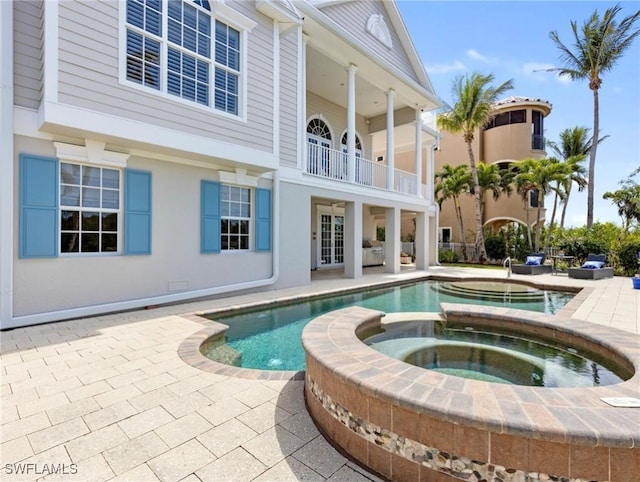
(406, 422)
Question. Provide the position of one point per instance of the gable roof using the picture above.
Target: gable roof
(400, 30)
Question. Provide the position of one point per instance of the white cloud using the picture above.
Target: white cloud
(474, 54)
(445, 68)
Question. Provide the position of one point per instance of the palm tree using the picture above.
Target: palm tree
(595, 49)
(492, 178)
(543, 175)
(574, 147)
(453, 182)
(473, 108)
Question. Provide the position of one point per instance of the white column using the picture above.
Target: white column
(419, 152)
(390, 146)
(422, 240)
(6, 163)
(353, 240)
(351, 123)
(430, 171)
(392, 240)
(302, 100)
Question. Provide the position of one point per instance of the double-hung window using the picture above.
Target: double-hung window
(180, 48)
(235, 217)
(89, 209)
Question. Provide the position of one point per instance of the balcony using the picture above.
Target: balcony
(538, 142)
(334, 164)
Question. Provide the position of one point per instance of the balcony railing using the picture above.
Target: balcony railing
(334, 164)
(538, 142)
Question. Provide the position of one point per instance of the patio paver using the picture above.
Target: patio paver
(111, 394)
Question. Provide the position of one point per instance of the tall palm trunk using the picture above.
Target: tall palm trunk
(553, 220)
(463, 241)
(564, 206)
(592, 156)
(538, 224)
(480, 249)
(526, 208)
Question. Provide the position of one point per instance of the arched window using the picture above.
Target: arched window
(319, 128)
(343, 141)
(318, 147)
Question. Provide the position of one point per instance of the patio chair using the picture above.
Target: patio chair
(593, 268)
(534, 264)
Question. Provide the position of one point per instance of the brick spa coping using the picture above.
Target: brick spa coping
(563, 415)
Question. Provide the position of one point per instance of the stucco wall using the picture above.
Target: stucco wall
(175, 263)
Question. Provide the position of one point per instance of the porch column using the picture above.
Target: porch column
(302, 101)
(419, 153)
(353, 240)
(422, 240)
(430, 171)
(392, 240)
(390, 146)
(351, 123)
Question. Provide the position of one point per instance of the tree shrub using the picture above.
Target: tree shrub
(448, 256)
(495, 246)
(628, 258)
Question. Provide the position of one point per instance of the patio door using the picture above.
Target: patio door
(331, 239)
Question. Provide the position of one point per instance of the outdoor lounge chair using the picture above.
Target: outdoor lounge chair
(533, 265)
(593, 268)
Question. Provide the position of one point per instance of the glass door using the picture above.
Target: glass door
(331, 240)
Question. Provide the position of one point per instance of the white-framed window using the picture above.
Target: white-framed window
(90, 214)
(189, 50)
(445, 236)
(235, 217)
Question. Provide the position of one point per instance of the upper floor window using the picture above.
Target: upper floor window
(343, 141)
(89, 209)
(506, 118)
(177, 47)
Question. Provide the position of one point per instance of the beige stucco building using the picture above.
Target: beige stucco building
(516, 132)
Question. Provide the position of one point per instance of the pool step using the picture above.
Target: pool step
(475, 292)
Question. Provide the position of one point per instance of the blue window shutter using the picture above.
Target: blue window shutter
(38, 207)
(137, 212)
(263, 220)
(209, 217)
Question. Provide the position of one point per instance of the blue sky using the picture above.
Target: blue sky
(511, 40)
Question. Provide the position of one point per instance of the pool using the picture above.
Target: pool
(270, 339)
(494, 354)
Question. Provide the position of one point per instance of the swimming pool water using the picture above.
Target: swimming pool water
(498, 355)
(270, 339)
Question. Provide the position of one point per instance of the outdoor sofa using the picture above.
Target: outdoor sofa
(534, 264)
(593, 268)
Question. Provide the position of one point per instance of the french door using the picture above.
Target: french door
(331, 239)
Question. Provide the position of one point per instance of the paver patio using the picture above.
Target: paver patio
(108, 397)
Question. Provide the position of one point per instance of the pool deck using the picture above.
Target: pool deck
(109, 397)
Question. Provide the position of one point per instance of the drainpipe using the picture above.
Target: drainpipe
(176, 297)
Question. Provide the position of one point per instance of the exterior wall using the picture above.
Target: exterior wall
(510, 142)
(89, 67)
(28, 53)
(175, 263)
(295, 235)
(353, 17)
(336, 117)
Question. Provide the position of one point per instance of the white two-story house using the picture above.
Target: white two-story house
(155, 151)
